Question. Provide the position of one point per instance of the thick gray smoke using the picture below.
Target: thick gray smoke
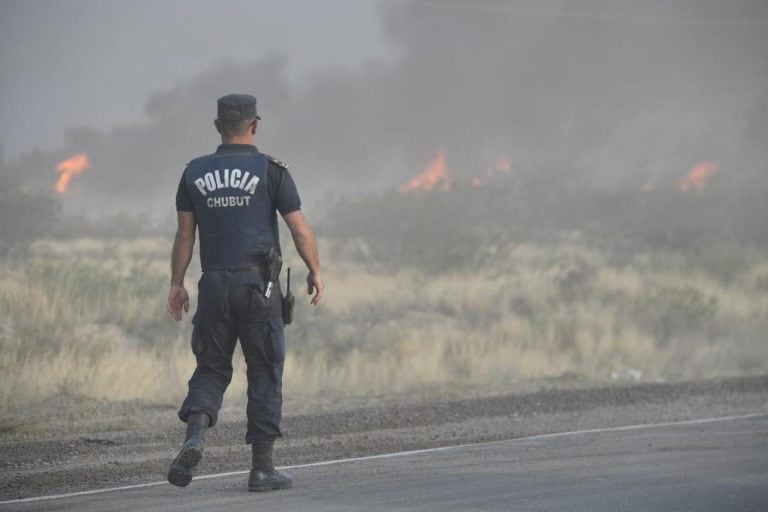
(622, 91)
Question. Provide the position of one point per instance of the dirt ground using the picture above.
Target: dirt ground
(124, 443)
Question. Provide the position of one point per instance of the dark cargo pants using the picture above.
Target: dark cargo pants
(231, 305)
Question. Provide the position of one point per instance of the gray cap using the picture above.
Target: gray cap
(237, 107)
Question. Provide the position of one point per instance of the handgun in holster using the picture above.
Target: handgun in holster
(274, 264)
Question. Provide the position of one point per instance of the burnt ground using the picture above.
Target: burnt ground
(134, 443)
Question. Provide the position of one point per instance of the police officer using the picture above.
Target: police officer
(232, 197)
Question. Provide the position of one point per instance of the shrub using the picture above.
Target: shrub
(25, 216)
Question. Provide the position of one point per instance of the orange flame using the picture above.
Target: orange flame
(649, 186)
(699, 176)
(69, 168)
(434, 176)
(503, 165)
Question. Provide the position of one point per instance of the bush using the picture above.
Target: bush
(25, 216)
(446, 231)
(668, 311)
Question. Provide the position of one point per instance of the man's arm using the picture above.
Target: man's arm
(306, 246)
(183, 245)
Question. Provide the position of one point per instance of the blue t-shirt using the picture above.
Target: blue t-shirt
(281, 187)
(235, 194)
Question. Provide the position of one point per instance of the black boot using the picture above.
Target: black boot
(264, 476)
(191, 452)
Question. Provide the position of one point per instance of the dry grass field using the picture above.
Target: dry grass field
(86, 318)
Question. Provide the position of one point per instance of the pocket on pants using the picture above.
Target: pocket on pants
(259, 304)
(260, 308)
(276, 341)
(198, 341)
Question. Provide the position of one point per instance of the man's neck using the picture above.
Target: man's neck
(237, 140)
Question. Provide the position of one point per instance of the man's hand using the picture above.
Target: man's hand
(307, 249)
(315, 285)
(181, 255)
(177, 299)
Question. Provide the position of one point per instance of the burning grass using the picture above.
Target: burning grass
(86, 317)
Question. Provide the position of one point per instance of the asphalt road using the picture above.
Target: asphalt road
(718, 465)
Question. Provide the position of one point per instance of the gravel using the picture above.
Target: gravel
(139, 441)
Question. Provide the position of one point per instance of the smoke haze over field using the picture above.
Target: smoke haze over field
(625, 92)
(505, 193)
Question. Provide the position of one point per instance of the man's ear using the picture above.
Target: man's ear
(216, 124)
(253, 127)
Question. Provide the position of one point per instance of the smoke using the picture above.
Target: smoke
(614, 91)
(617, 92)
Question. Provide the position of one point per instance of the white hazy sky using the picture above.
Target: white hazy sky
(95, 62)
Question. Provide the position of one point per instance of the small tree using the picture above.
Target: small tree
(25, 215)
